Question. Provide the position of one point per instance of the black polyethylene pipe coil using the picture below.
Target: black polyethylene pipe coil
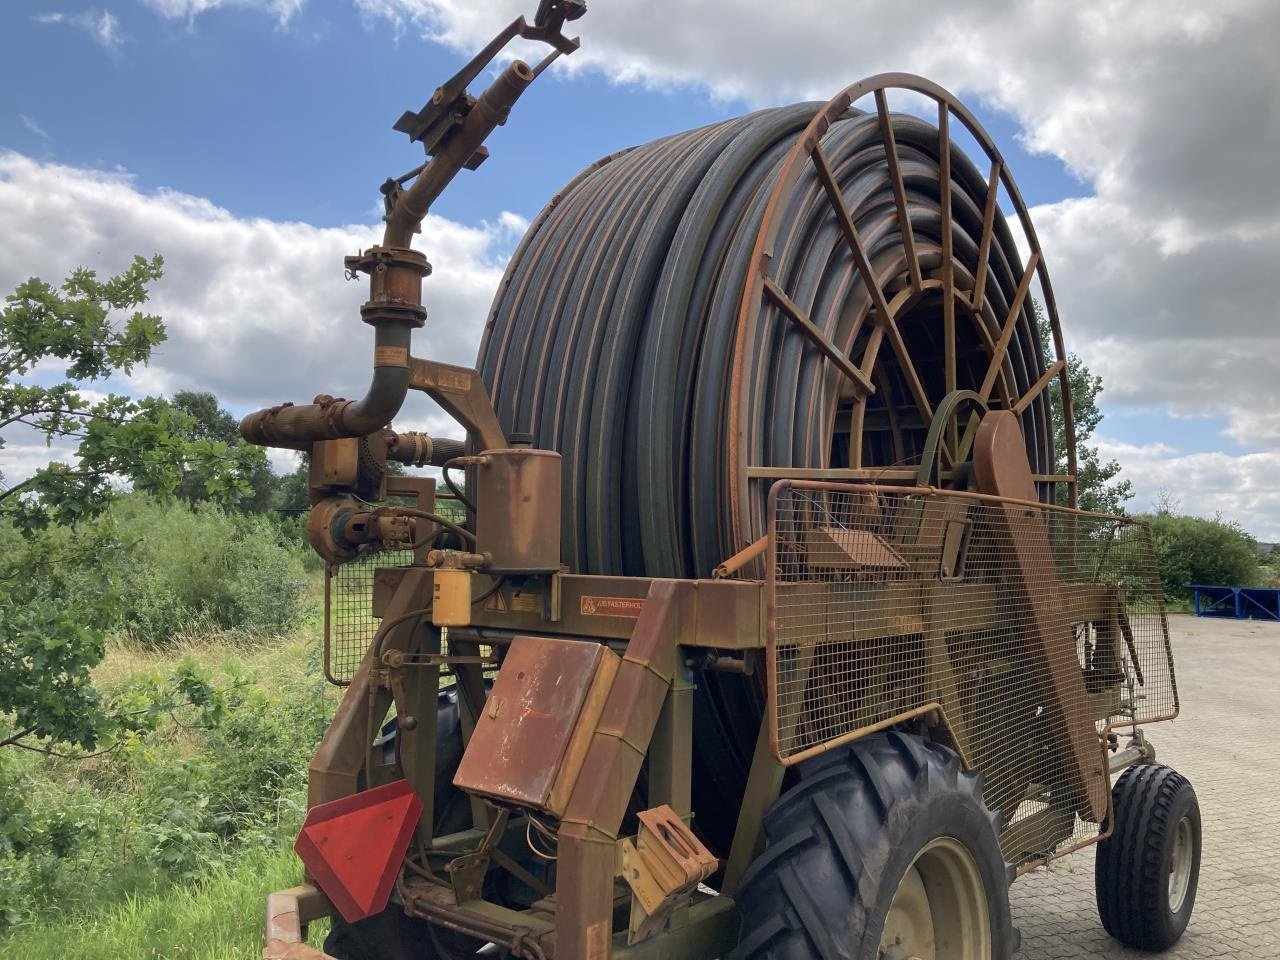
(612, 339)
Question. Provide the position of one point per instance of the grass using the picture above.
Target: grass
(220, 918)
(111, 899)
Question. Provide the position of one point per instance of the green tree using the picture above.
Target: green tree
(53, 606)
(210, 423)
(1193, 550)
(145, 442)
(293, 492)
(208, 420)
(1098, 487)
(52, 622)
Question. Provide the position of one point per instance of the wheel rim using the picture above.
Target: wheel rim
(1180, 863)
(939, 911)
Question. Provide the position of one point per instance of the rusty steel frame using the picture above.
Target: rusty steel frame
(770, 742)
(646, 715)
(770, 587)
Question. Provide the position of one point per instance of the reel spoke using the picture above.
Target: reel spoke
(899, 190)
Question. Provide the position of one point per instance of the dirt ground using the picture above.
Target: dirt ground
(1227, 742)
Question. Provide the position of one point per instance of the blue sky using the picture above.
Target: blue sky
(294, 123)
(251, 115)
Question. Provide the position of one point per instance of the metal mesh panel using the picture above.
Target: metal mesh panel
(349, 623)
(1027, 632)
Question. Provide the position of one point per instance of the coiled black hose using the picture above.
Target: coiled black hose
(612, 340)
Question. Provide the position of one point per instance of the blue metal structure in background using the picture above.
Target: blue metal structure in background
(1240, 603)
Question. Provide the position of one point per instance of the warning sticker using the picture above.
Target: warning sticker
(612, 606)
(518, 601)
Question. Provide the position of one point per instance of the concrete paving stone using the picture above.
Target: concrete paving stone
(1227, 742)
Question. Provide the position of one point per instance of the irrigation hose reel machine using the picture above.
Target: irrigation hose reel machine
(768, 623)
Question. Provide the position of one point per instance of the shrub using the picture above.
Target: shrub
(1196, 550)
(57, 597)
(215, 769)
(202, 568)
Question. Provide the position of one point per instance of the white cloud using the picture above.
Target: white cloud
(1190, 327)
(25, 452)
(101, 26)
(1169, 109)
(188, 10)
(257, 311)
(1240, 488)
(32, 125)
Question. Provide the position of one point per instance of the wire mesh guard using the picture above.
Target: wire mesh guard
(349, 623)
(1028, 632)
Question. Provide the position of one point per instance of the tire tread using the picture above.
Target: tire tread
(1130, 886)
(826, 844)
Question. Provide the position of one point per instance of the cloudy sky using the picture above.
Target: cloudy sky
(244, 140)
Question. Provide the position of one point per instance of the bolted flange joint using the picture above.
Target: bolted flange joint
(395, 285)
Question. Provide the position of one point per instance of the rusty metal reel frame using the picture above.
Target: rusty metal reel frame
(762, 290)
(1149, 652)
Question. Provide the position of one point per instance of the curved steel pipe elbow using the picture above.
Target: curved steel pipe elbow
(332, 418)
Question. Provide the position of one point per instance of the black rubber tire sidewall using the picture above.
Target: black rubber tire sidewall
(1132, 867)
(842, 838)
(389, 935)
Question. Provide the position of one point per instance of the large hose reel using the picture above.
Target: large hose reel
(793, 292)
(797, 288)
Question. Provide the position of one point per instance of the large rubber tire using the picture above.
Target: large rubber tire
(1135, 873)
(839, 843)
(391, 935)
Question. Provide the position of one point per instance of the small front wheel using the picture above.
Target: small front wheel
(1148, 869)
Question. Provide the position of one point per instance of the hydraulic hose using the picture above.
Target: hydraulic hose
(612, 337)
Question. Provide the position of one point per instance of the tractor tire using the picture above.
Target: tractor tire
(391, 934)
(1148, 869)
(883, 850)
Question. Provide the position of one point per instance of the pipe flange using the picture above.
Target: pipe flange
(395, 285)
(385, 258)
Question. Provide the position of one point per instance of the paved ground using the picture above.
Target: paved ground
(1227, 742)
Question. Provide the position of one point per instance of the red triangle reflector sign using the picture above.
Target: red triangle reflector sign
(353, 847)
